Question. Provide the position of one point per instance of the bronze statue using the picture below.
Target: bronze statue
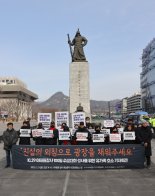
(78, 42)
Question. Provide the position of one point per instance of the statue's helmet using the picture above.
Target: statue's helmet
(78, 32)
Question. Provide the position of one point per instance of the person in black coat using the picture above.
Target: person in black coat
(25, 140)
(39, 140)
(129, 128)
(82, 129)
(53, 140)
(97, 131)
(65, 128)
(144, 136)
(10, 137)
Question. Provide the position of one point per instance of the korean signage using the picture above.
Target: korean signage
(64, 135)
(47, 133)
(61, 117)
(129, 136)
(81, 136)
(106, 131)
(45, 119)
(108, 123)
(115, 137)
(78, 157)
(77, 118)
(37, 132)
(98, 137)
(42, 133)
(25, 132)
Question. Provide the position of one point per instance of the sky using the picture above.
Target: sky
(34, 48)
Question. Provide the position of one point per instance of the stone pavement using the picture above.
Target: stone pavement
(125, 182)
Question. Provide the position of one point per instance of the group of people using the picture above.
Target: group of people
(143, 135)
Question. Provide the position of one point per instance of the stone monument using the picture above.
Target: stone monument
(79, 75)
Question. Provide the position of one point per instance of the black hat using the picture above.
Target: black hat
(81, 123)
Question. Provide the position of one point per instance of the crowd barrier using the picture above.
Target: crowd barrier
(112, 156)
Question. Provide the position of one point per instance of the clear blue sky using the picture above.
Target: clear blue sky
(33, 43)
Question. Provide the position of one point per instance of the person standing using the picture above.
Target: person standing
(53, 140)
(65, 128)
(10, 138)
(25, 140)
(144, 136)
(129, 128)
(39, 140)
(97, 131)
(82, 129)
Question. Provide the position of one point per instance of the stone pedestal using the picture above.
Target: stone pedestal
(79, 87)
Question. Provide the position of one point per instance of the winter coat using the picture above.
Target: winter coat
(144, 135)
(39, 140)
(10, 137)
(83, 130)
(24, 140)
(52, 141)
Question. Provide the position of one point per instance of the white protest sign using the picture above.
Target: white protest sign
(47, 133)
(64, 135)
(77, 118)
(81, 136)
(45, 119)
(120, 130)
(129, 136)
(37, 132)
(61, 117)
(98, 137)
(115, 137)
(108, 123)
(105, 131)
(25, 132)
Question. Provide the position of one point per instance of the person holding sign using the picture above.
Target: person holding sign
(130, 132)
(144, 136)
(64, 128)
(82, 135)
(25, 137)
(54, 138)
(115, 137)
(39, 140)
(10, 137)
(97, 136)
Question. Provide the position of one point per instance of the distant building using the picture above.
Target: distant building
(15, 99)
(147, 78)
(124, 106)
(134, 103)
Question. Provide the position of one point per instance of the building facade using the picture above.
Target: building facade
(134, 103)
(124, 106)
(15, 99)
(147, 78)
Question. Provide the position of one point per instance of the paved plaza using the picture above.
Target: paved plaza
(116, 182)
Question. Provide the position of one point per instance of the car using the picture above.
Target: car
(136, 117)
